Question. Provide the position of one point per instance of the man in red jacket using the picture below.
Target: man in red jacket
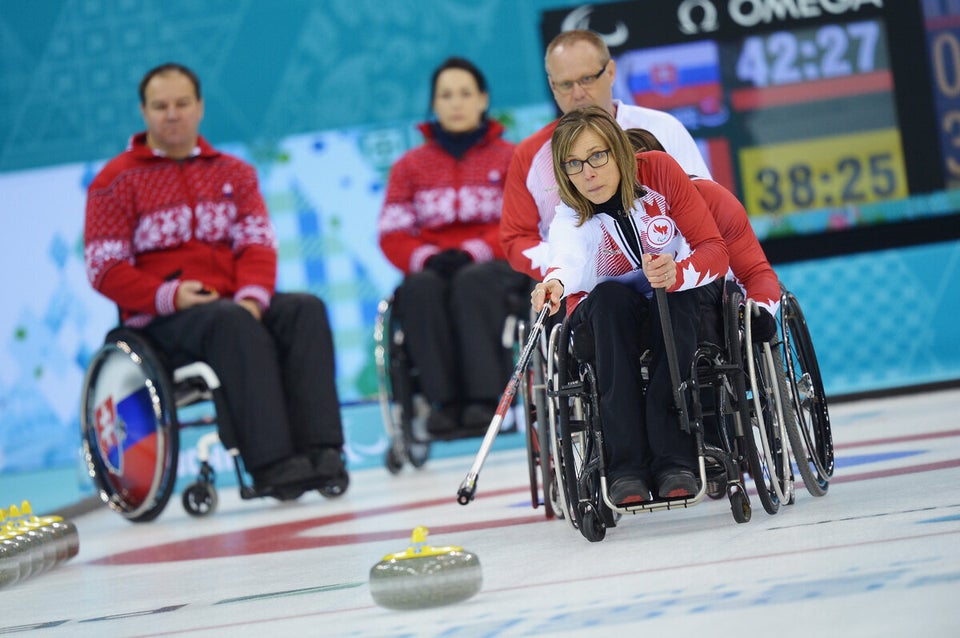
(178, 235)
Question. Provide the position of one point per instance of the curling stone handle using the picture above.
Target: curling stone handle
(467, 489)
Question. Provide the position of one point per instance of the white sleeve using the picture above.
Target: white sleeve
(570, 253)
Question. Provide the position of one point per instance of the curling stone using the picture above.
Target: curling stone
(58, 533)
(12, 558)
(423, 576)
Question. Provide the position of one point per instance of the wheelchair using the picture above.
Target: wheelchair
(811, 438)
(403, 407)
(130, 429)
(734, 395)
(544, 489)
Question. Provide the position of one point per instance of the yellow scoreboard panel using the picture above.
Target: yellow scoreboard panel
(826, 172)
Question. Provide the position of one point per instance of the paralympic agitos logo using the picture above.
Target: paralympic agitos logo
(700, 16)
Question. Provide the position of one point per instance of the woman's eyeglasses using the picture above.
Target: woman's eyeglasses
(596, 160)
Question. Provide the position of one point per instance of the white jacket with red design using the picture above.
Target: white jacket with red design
(670, 218)
(530, 195)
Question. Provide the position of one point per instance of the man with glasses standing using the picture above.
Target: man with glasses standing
(581, 73)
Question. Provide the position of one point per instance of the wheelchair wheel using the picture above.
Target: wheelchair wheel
(811, 437)
(578, 463)
(200, 499)
(537, 434)
(336, 487)
(398, 405)
(392, 461)
(129, 427)
(740, 506)
(591, 524)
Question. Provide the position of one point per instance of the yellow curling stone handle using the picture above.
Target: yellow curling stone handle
(419, 549)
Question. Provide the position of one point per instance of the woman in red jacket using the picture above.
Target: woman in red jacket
(439, 225)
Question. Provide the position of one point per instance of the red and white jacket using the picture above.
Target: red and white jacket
(748, 263)
(152, 222)
(670, 218)
(435, 201)
(531, 194)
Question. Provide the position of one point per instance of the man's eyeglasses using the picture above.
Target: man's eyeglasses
(598, 159)
(585, 81)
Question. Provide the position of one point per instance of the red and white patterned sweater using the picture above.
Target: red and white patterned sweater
(435, 202)
(152, 222)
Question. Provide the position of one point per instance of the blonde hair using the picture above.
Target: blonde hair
(569, 128)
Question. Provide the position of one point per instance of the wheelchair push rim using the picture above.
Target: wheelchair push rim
(128, 427)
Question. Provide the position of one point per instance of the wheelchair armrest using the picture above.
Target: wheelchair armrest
(197, 369)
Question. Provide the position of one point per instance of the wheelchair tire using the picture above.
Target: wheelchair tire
(811, 437)
(548, 481)
(336, 487)
(392, 461)
(533, 395)
(199, 499)
(579, 460)
(129, 427)
(591, 524)
(740, 506)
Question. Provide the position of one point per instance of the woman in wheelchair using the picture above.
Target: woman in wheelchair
(628, 224)
(439, 226)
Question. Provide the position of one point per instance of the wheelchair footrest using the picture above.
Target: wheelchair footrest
(572, 389)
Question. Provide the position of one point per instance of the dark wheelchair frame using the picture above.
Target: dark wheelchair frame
(748, 411)
(136, 478)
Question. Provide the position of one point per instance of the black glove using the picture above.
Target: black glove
(448, 262)
(763, 326)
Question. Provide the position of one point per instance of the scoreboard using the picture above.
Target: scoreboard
(823, 116)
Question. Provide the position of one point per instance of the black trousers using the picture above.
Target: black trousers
(642, 435)
(278, 374)
(453, 329)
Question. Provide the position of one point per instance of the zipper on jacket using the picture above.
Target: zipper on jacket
(628, 233)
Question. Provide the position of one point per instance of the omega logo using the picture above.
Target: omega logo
(707, 16)
(700, 16)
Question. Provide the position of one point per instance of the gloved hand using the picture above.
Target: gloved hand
(448, 262)
(763, 326)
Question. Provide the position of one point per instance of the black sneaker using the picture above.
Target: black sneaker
(327, 462)
(678, 483)
(290, 471)
(628, 490)
(444, 420)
